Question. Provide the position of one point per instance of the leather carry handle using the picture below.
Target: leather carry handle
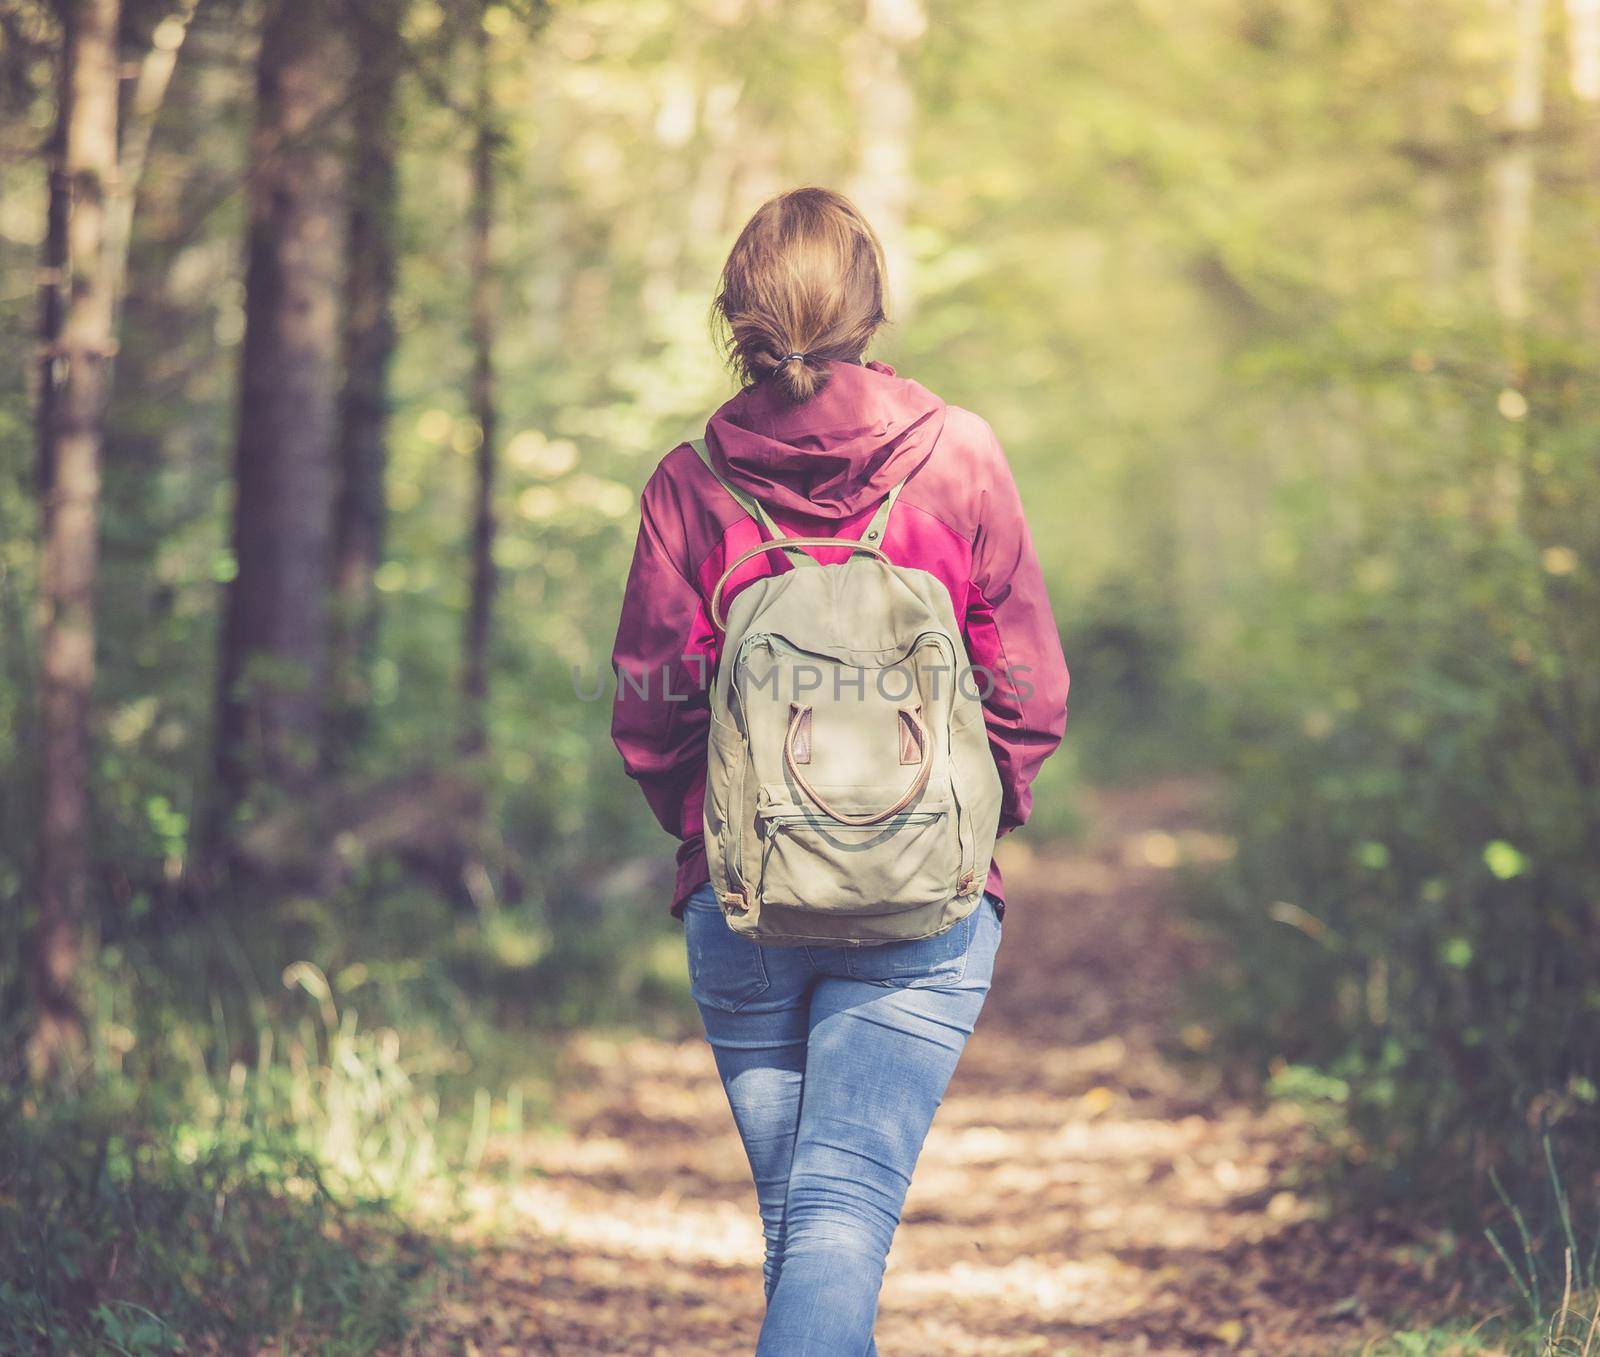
(798, 715)
(782, 544)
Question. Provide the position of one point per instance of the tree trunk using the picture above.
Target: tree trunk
(149, 93)
(1433, 99)
(72, 412)
(1513, 172)
(1511, 224)
(886, 110)
(480, 608)
(272, 654)
(53, 272)
(369, 339)
(1583, 38)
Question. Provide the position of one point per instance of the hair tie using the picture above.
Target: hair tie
(790, 357)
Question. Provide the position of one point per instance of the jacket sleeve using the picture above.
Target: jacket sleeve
(1012, 640)
(662, 662)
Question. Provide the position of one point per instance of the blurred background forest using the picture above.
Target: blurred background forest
(338, 339)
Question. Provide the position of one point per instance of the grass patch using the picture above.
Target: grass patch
(285, 1104)
(1573, 1331)
(125, 1229)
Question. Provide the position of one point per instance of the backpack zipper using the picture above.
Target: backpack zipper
(789, 818)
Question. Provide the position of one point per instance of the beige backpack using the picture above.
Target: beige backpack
(851, 796)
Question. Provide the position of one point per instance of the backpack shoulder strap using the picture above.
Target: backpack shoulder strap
(751, 506)
(870, 542)
(880, 520)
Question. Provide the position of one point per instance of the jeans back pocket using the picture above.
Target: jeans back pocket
(918, 963)
(725, 970)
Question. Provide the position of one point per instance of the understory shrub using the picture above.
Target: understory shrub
(1410, 931)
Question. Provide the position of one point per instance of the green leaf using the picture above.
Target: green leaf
(1372, 855)
(1504, 860)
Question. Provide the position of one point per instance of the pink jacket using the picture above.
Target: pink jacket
(820, 469)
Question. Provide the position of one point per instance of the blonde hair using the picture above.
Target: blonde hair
(803, 286)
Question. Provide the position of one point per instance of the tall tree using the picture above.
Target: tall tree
(138, 126)
(53, 265)
(1513, 171)
(886, 108)
(77, 339)
(1583, 40)
(369, 340)
(274, 630)
(480, 607)
(1513, 179)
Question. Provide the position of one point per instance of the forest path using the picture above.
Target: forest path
(1085, 1190)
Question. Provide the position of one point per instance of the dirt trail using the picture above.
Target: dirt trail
(1085, 1190)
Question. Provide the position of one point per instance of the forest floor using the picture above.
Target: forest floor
(1088, 1187)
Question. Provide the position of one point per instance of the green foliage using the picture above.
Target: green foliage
(1570, 1332)
(1412, 909)
(1137, 707)
(252, 1154)
(126, 1227)
(1554, 1276)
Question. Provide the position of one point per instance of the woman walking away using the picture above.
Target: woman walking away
(837, 675)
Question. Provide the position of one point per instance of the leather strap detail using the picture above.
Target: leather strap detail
(910, 740)
(799, 713)
(801, 716)
(717, 614)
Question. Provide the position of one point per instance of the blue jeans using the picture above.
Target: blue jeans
(834, 1060)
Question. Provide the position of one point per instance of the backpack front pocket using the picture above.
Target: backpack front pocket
(812, 861)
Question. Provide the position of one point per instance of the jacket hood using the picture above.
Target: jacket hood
(838, 453)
